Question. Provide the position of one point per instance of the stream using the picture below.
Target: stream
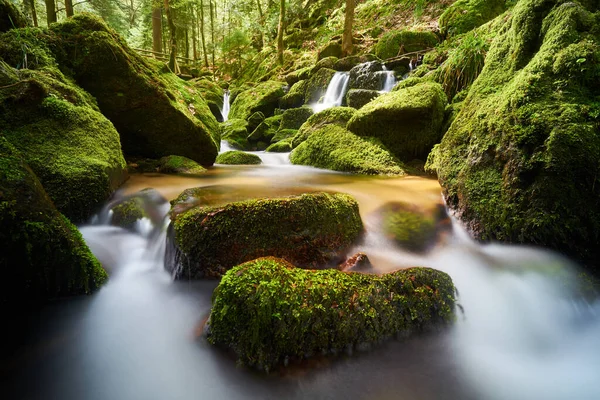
(524, 334)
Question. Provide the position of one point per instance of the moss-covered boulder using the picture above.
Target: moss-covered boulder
(10, 16)
(395, 43)
(73, 149)
(309, 230)
(179, 165)
(317, 85)
(295, 117)
(126, 213)
(212, 93)
(335, 148)
(347, 63)
(298, 75)
(282, 146)
(332, 116)
(520, 161)
(254, 120)
(356, 98)
(235, 157)
(235, 132)
(270, 313)
(266, 130)
(332, 49)
(43, 254)
(264, 97)
(327, 62)
(465, 15)
(408, 122)
(367, 76)
(295, 97)
(284, 134)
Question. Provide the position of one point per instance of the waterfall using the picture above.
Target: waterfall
(225, 110)
(389, 82)
(336, 90)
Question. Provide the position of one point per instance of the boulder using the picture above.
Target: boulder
(298, 75)
(235, 157)
(43, 254)
(396, 43)
(266, 130)
(333, 49)
(347, 63)
(264, 97)
(254, 120)
(179, 165)
(295, 97)
(466, 15)
(270, 313)
(284, 134)
(309, 230)
(367, 76)
(282, 146)
(10, 16)
(335, 148)
(356, 98)
(332, 116)
(295, 117)
(212, 94)
(317, 85)
(519, 163)
(235, 132)
(408, 122)
(327, 62)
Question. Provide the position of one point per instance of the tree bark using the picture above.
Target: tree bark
(261, 23)
(348, 21)
(156, 29)
(29, 6)
(69, 8)
(173, 66)
(50, 11)
(212, 33)
(193, 23)
(202, 34)
(280, 29)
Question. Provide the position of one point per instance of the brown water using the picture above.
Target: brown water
(523, 335)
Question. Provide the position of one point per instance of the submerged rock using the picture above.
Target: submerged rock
(520, 161)
(270, 313)
(43, 254)
(235, 157)
(331, 116)
(309, 230)
(408, 121)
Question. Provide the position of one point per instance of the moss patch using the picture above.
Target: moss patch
(465, 15)
(235, 132)
(264, 97)
(271, 313)
(238, 158)
(295, 117)
(394, 43)
(10, 16)
(332, 116)
(179, 165)
(317, 85)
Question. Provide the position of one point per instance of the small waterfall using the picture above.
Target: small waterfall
(389, 82)
(225, 110)
(336, 90)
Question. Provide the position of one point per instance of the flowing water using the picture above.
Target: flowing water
(524, 333)
(389, 80)
(336, 90)
(225, 110)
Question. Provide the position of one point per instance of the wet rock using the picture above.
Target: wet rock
(235, 157)
(356, 98)
(357, 263)
(347, 63)
(179, 165)
(367, 76)
(317, 85)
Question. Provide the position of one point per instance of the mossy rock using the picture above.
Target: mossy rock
(156, 114)
(295, 97)
(317, 85)
(235, 157)
(367, 76)
(520, 161)
(356, 98)
(333, 49)
(295, 117)
(309, 230)
(282, 146)
(127, 213)
(284, 134)
(235, 132)
(395, 43)
(332, 116)
(73, 149)
(179, 165)
(264, 97)
(466, 15)
(270, 313)
(408, 122)
(347, 63)
(212, 94)
(254, 120)
(266, 130)
(298, 75)
(43, 253)
(338, 149)
(10, 16)
(327, 62)
(409, 82)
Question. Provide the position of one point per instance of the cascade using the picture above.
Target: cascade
(225, 110)
(336, 90)
(389, 81)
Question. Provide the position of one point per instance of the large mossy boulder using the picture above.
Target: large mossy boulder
(395, 43)
(408, 121)
(332, 49)
(520, 161)
(212, 95)
(10, 16)
(295, 117)
(235, 132)
(270, 313)
(331, 116)
(317, 85)
(357, 98)
(466, 15)
(264, 97)
(235, 157)
(295, 97)
(43, 253)
(338, 149)
(309, 230)
(266, 130)
(73, 149)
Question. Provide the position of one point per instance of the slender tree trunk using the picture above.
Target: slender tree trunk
(156, 29)
(212, 33)
(69, 8)
(193, 23)
(50, 11)
(347, 36)
(173, 40)
(261, 23)
(29, 6)
(280, 29)
(187, 43)
(202, 34)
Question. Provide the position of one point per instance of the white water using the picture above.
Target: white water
(225, 110)
(389, 82)
(267, 158)
(336, 90)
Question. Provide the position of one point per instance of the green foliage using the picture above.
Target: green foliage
(270, 313)
(235, 157)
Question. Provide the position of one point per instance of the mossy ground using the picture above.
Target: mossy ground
(466, 15)
(271, 313)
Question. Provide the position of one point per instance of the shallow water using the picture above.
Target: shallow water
(524, 334)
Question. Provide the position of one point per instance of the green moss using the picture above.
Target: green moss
(295, 97)
(465, 15)
(238, 158)
(282, 146)
(327, 62)
(309, 230)
(295, 117)
(333, 49)
(179, 165)
(284, 134)
(332, 116)
(356, 98)
(10, 16)
(394, 43)
(212, 94)
(271, 313)
(43, 254)
(317, 85)
(408, 226)
(266, 130)
(408, 121)
(235, 132)
(264, 97)
(73, 149)
(520, 161)
(254, 120)
(333, 147)
(128, 212)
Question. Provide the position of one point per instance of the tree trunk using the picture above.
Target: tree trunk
(69, 8)
(280, 29)
(173, 66)
(187, 43)
(50, 11)
(212, 33)
(156, 29)
(29, 6)
(347, 36)
(202, 34)
(261, 24)
(193, 23)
